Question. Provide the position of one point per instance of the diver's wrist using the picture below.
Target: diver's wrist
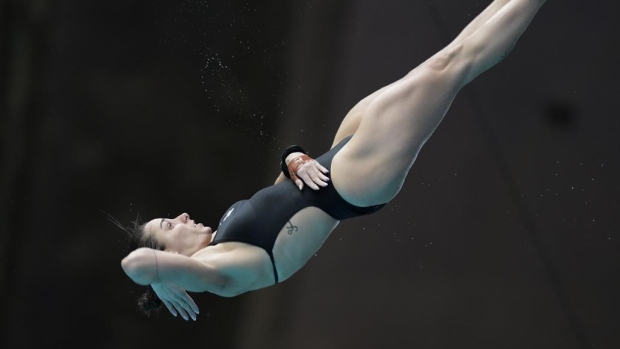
(292, 156)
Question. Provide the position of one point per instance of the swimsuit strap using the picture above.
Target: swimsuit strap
(273, 263)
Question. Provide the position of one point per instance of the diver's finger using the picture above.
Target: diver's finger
(170, 308)
(181, 311)
(190, 301)
(188, 309)
(323, 177)
(299, 183)
(318, 181)
(322, 168)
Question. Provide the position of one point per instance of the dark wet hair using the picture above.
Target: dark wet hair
(148, 303)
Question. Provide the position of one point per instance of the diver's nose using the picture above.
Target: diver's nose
(184, 217)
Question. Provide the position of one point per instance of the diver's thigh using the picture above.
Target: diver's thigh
(372, 167)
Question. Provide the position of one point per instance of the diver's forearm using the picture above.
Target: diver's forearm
(146, 266)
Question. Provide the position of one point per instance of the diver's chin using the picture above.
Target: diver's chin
(207, 230)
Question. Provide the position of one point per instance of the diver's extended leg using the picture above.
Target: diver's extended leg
(496, 38)
(482, 18)
(351, 121)
(400, 120)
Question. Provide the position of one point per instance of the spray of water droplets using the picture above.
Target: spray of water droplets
(228, 47)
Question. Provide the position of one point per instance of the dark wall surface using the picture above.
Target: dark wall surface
(504, 235)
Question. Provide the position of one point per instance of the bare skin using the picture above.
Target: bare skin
(389, 128)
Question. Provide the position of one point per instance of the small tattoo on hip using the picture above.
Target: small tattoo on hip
(291, 228)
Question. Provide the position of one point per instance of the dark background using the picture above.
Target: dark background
(504, 236)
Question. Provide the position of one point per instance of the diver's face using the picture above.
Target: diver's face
(180, 234)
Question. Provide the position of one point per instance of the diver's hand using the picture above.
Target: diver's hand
(304, 169)
(176, 300)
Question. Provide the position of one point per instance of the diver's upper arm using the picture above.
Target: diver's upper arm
(146, 266)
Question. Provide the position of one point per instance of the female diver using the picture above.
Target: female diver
(266, 239)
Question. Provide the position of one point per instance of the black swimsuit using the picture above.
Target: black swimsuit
(258, 221)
